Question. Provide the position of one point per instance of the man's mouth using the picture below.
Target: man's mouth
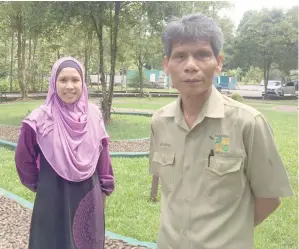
(192, 80)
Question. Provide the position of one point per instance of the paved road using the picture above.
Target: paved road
(251, 92)
(245, 91)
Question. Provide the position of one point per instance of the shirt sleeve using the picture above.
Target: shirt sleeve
(104, 169)
(265, 169)
(27, 157)
(153, 169)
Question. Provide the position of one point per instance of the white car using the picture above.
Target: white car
(274, 87)
(278, 89)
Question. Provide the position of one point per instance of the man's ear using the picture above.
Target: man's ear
(165, 64)
(219, 63)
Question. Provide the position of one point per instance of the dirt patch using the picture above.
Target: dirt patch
(286, 108)
(15, 223)
(11, 133)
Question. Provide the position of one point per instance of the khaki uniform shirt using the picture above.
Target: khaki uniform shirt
(211, 173)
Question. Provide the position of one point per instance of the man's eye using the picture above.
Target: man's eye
(179, 56)
(203, 54)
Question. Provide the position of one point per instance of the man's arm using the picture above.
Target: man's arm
(263, 208)
(265, 170)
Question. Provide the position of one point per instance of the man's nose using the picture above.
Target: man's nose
(191, 65)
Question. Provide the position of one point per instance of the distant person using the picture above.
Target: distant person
(63, 156)
(221, 174)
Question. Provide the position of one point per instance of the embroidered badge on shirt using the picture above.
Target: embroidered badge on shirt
(222, 143)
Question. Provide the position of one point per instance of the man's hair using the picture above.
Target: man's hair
(194, 27)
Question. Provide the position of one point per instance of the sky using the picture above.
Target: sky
(236, 13)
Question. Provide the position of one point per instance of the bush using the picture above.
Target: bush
(237, 97)
(253, 76)
(4, 85)
(135, 81)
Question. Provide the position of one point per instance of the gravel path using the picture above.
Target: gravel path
(11, 133)
(14, 228)
(286, 108)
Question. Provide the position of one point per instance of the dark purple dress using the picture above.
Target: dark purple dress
(66, 215)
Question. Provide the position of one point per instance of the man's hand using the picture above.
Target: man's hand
(263, 208)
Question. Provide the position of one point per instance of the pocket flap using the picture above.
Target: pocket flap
(164, 158)
(224, 165)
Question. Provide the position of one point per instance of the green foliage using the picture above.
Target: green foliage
(265, 37)
(253, 76)
(234, 72)
(134, 81)
(237, 97)
(4, 85)
(276, 74)
(293, 75)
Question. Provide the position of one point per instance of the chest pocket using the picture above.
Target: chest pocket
(224, 179)
(165, 164)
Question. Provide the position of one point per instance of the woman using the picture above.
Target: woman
(63, 156)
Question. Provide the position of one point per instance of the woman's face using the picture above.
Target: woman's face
(69, 85)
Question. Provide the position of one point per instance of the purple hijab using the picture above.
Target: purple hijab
(69, 135)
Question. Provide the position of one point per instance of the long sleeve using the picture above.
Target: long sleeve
(27, 157)
(104, 169)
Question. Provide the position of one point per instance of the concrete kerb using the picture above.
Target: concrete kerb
(146, 114)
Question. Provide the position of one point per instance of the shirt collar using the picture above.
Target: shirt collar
(213, 108)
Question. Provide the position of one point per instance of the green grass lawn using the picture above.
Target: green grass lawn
(121, 126)
(130, 213)
(12, 113)
(128, 127)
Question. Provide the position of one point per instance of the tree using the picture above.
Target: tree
(262, 39)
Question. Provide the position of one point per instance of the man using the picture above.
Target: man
(220, 171)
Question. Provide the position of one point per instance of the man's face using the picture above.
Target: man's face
(192, 66)
(69, 85)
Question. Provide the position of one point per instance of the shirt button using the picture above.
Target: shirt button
(186, 200)
(188, 167)
(183, 232)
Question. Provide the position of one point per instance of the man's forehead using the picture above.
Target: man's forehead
(177, 45)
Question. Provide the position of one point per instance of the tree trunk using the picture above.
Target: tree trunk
(11, 62)
(33, 63)
(28, 72)
(113, 56)
(87, 53)
(99, 32)
(24, 64)
(19, 25)
(140, 72)
(267, 66)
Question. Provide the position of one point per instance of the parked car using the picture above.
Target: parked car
(290, 88)
(278, 89)
(274, 87)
